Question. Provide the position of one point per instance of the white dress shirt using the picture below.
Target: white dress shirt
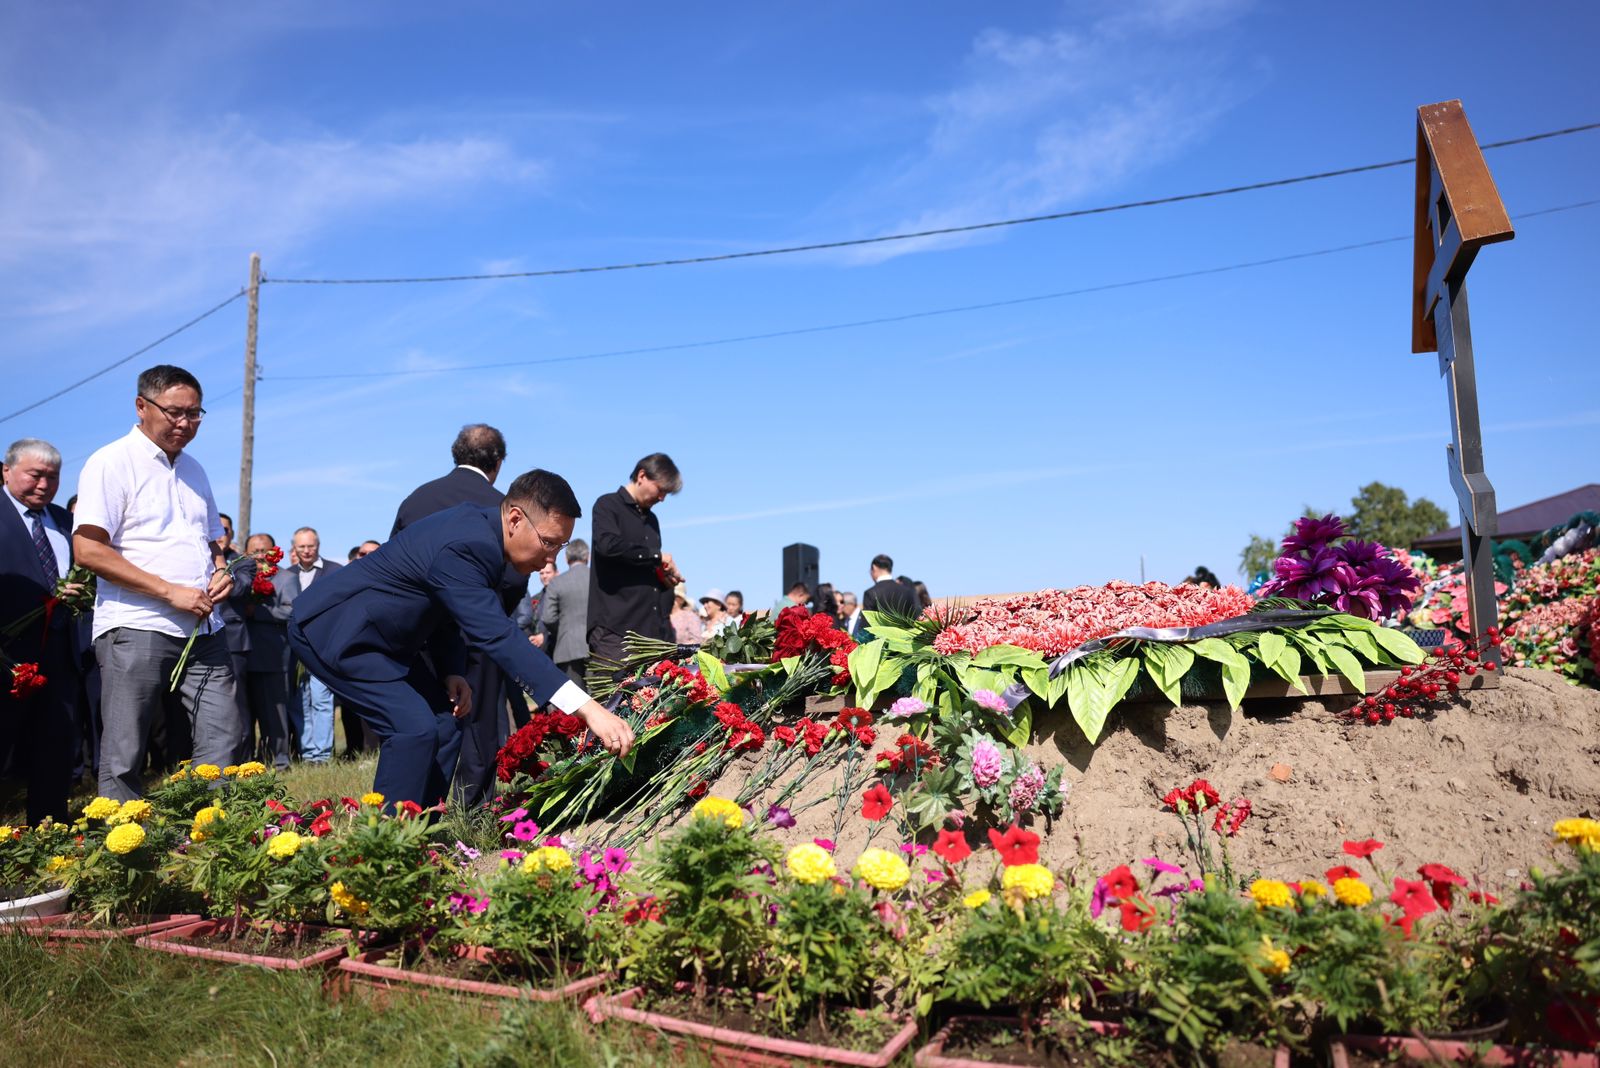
(306, 574)
(161, 517)
(52, 534)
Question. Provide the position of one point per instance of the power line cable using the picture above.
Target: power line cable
(906, 317)
(912, 235)
(132, 355)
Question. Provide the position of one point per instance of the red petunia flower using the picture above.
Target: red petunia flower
(1119, 883)
(407, 809)
(1364, 848)
(350, 804)
(952, 847)
(1016, 846)
(321, 825)
(1343, 871)
(1137, 913)
(876, 802)
(1482, 898)
(1440, 880)
(1414, 901)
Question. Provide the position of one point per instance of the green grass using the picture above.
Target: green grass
(122, 1006)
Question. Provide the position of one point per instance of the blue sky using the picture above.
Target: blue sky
(145, 153)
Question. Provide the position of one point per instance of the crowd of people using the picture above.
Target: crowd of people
(427, 647)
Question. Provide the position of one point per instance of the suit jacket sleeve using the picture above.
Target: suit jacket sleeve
(466, 586)
(611, 538)
(550, 614)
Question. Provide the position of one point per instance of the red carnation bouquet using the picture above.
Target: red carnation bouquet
(266, 562)
(800, 632)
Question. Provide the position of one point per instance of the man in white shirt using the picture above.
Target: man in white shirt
(147, 525)
(849, 613)
(316, 700)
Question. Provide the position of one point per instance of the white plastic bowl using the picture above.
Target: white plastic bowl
(50, 903)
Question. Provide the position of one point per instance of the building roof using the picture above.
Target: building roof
(1527, 520)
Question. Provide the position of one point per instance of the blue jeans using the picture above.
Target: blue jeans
(316, 733)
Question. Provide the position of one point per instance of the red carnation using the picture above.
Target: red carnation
(1016, 846)
(866, 736)
(952, 847)
(850, 718)
(565, 725)
(1343, 871)
(1440, 880)
(785, 735)
(699, 790)
(1231, 817)
(729, 714)
(1119, 883)
(261, 585)
(26, 680)
(1364, 848)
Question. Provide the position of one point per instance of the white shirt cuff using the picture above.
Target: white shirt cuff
(570, 697)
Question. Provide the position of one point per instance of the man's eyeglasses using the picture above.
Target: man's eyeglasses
(177, 415)
(550, 546)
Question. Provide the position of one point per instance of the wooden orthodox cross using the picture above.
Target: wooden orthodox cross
(1458, 211)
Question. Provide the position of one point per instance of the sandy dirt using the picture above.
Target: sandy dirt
(1476, 787)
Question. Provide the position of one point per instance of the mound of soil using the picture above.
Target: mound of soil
(1476, 787)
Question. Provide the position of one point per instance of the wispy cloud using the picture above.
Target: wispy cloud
(1039, 121)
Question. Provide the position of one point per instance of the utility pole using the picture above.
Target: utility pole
(247, 448)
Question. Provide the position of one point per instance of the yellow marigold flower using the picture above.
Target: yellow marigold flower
(179, 775)
(251, 767)
(6, 830)
(205, 816)
(810, 863)
(977, 899)
(1580, 834)
(126, 838)
(1033, 880)
(547, 858)
(1272, 893)
(231, 770)
(1277, 960)
(208, 772)
(1312, 888)
(284, 844)
(719, 808)
(55, 864)
(347, 901)
(101, 808)
(882, 869)
(1352, 892)
(373, 798)
(135, 811)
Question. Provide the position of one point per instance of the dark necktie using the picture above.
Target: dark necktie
(41, 545)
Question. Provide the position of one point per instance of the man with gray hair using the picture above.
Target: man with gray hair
(314, 721)
(564, 611)
(148, 527)
(38, 727)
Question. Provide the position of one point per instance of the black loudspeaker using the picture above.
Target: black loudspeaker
(800, 564)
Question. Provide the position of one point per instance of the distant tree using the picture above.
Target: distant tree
(1258, 556)
(1383, 514)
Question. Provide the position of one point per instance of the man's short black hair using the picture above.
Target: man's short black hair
(479, 445)
(882, 562)
(354, 550)
(225, 515)
(262, 534)
(162, 377)
(658, 467)
(802, 587)
(543, 491)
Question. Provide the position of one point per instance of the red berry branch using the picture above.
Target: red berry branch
(1428, 686)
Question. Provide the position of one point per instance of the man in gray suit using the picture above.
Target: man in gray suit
(266, 677)
(564, 613)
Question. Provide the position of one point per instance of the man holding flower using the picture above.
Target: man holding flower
(148, 527)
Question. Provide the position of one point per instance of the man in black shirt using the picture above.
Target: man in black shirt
(630, 578)
(887, 595)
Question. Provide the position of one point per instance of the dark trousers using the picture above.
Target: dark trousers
(43, 730)
(606, 645)
(88, 746)
(484, 730)
(356, 741)
(267, 694)
(418, 738)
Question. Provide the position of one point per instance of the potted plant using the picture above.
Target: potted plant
(25, 892)
(110, 864)
(522, 931)
(244, 855)
(1017, 951)
(714, 960)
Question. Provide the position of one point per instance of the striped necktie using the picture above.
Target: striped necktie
(41, 545)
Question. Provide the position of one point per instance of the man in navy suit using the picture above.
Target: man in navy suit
(436, 585)
(35, 554)
(478, 452)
